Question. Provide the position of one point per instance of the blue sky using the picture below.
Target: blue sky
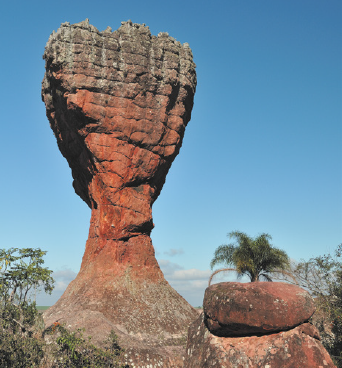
(262, 152)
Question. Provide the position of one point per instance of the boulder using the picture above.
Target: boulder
(242, 309)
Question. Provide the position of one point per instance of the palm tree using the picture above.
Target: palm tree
(254, 257)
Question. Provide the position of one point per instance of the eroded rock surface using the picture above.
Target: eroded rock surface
(298, 347)
(295, 346)
(237, 309)
(118, 103)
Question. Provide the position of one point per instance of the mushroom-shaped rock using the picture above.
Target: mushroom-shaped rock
(118, 103)
(241, 309)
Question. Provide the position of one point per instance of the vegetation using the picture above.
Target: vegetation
(21, 271)
(22, 333)
(322, 277)
(72, 350)
(43, 307)
(254, 257)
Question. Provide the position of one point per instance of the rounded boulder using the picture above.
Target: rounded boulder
(256, 308)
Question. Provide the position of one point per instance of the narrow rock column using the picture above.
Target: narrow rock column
(118, 103)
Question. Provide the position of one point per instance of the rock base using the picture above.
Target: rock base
(298, 347)
(148, 309)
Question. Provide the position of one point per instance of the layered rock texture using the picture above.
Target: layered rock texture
(118, 103)
(255, 325)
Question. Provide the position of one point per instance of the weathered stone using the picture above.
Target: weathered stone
(241, 309)
(118, 103)
(298, 347)
(255, 325)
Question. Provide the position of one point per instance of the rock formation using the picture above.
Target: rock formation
(234, 309)
(255, 325)
(118, 103)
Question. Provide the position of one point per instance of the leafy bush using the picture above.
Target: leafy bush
(72, 350)
(322, 277)
(21, 324)
(22, 332)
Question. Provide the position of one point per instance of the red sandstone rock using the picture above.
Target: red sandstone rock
(240, 309)
(298, 347)
(118, 103)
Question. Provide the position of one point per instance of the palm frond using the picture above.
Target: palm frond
(217, 271)
(223, 254)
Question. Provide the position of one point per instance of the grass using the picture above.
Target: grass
(42, 307)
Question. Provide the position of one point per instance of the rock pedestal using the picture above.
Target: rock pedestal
(118, 103)
(255, 325)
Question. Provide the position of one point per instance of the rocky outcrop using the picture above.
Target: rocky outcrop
(118, 103)
(255, 325)
(298, 347)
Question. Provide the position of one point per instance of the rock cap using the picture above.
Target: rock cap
(256, 308)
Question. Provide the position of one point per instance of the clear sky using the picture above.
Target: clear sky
(262, 152)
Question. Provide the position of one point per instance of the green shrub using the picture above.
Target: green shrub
(322, 277)
(73, 350)
(21, 324)
(22, 331)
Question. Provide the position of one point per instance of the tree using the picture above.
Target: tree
(21, 272)
(322, 277)
(22, 327)
(254, 257)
